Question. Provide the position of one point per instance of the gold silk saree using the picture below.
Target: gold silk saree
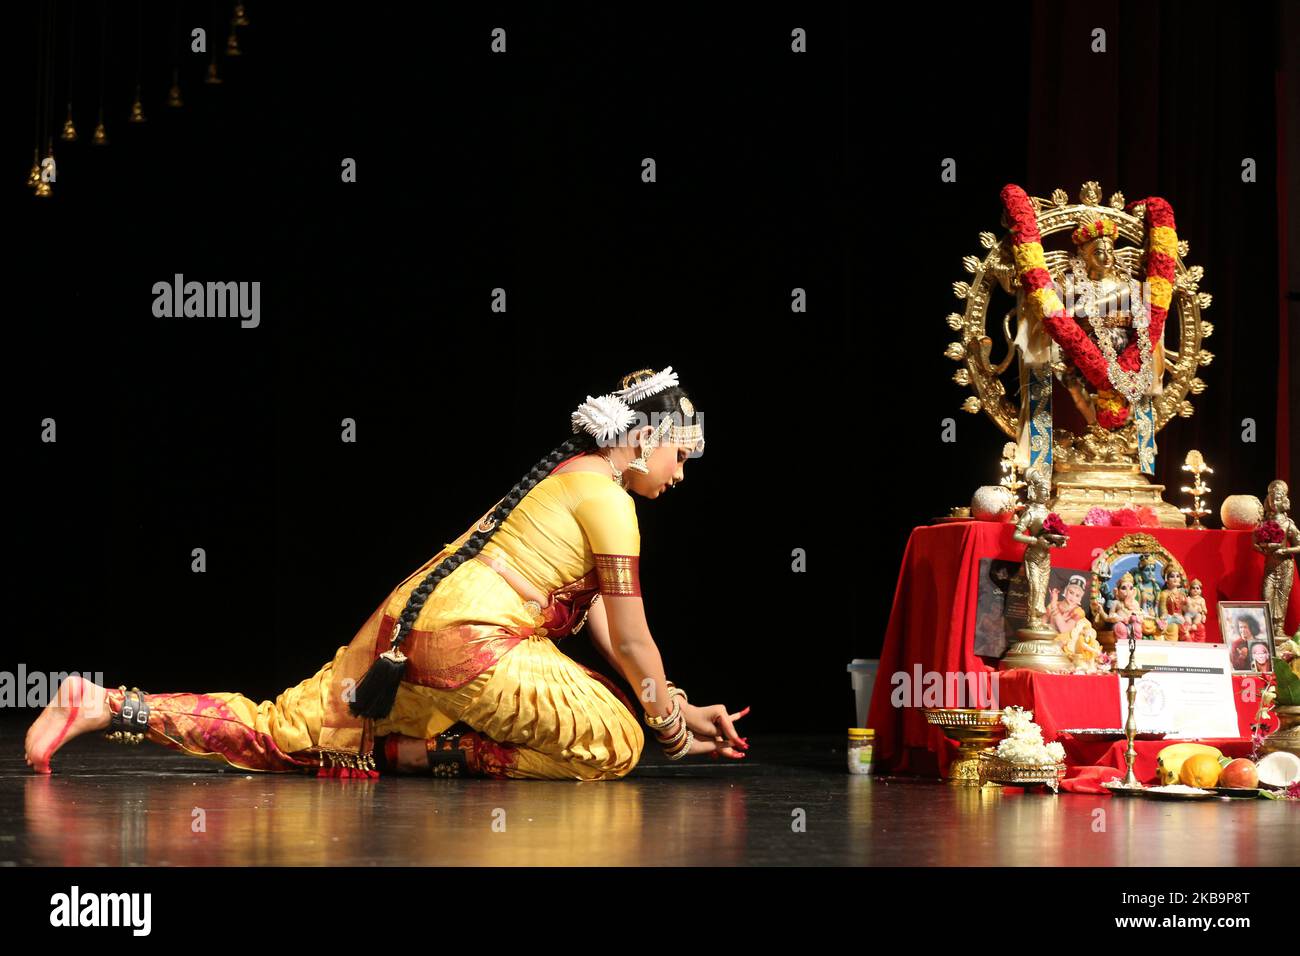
(479, 656)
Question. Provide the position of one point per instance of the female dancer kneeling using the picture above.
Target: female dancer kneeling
(457, 671)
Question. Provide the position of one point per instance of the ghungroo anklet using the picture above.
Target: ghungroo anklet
(129, 724)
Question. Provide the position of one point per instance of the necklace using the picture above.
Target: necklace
(616, 474)
(1132, 385)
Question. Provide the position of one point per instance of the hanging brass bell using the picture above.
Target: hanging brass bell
(137, 111)
(232, 43)
(43, 188)
(69, 134)
(101, 135)
(239, 19)
(212, 78)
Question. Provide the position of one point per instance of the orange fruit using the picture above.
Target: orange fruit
(1200, 770)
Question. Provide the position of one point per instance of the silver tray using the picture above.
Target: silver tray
(1118, 733)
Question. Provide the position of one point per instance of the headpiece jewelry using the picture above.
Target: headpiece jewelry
(608, 416)
(1094, 230)
(602, 417)
(636, 387)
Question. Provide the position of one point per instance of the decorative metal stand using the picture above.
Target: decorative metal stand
(1195, 463)
(1011, 473)
(1130, 784)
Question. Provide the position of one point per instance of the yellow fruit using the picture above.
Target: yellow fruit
(1200, 770)
(1169, 762)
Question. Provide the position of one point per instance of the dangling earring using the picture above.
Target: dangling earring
(639, 463)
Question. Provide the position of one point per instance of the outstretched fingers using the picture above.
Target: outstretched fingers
(725, 723)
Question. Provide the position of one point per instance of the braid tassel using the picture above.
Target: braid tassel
(377, 691)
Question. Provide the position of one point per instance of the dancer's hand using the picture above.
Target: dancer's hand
(714, 747)
(712, 724)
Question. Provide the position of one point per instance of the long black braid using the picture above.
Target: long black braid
(377, 691)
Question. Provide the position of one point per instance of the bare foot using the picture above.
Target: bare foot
(78, 707)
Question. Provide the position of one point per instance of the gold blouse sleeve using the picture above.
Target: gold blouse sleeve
(608, 520)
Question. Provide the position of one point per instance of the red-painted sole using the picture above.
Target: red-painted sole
(42, 764)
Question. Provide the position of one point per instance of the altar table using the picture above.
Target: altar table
(932, 624)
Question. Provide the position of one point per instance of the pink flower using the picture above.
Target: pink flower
(1097, 517)
(1053, 524)
(1257, 735)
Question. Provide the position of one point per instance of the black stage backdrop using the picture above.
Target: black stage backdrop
(521, 171)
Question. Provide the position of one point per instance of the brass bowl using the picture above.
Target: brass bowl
(974, 730)
(1287, 735)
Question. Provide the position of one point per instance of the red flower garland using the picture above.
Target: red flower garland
(1078, 347)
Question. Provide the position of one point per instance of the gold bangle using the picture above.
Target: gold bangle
(656, 723)
(670, 739)
(670, 733)
(681, 751)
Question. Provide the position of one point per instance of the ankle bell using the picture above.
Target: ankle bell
(129, 724)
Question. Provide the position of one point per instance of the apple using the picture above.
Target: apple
(1240, 774)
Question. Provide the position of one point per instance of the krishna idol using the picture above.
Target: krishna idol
(457, 671)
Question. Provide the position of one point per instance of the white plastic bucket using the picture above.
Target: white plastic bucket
(862, 672)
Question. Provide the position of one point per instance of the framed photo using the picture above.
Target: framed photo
(1129, 579)
(1247, 628)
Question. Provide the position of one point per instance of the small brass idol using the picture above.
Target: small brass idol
(1037, 647)
(1279, 564)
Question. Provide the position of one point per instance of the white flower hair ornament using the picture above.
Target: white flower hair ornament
(651, 385)
(602, 417)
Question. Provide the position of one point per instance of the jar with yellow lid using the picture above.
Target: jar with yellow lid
(861, 743)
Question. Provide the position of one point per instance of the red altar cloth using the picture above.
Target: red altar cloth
(932, 624)
(1061, 701)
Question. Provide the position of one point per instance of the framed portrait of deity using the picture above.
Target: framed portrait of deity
(1137, 585)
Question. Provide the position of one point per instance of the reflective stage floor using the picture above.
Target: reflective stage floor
(790, 802)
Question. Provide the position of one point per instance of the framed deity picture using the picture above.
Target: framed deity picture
(1247, 628)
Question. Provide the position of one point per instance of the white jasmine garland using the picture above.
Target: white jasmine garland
(1024, 745)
